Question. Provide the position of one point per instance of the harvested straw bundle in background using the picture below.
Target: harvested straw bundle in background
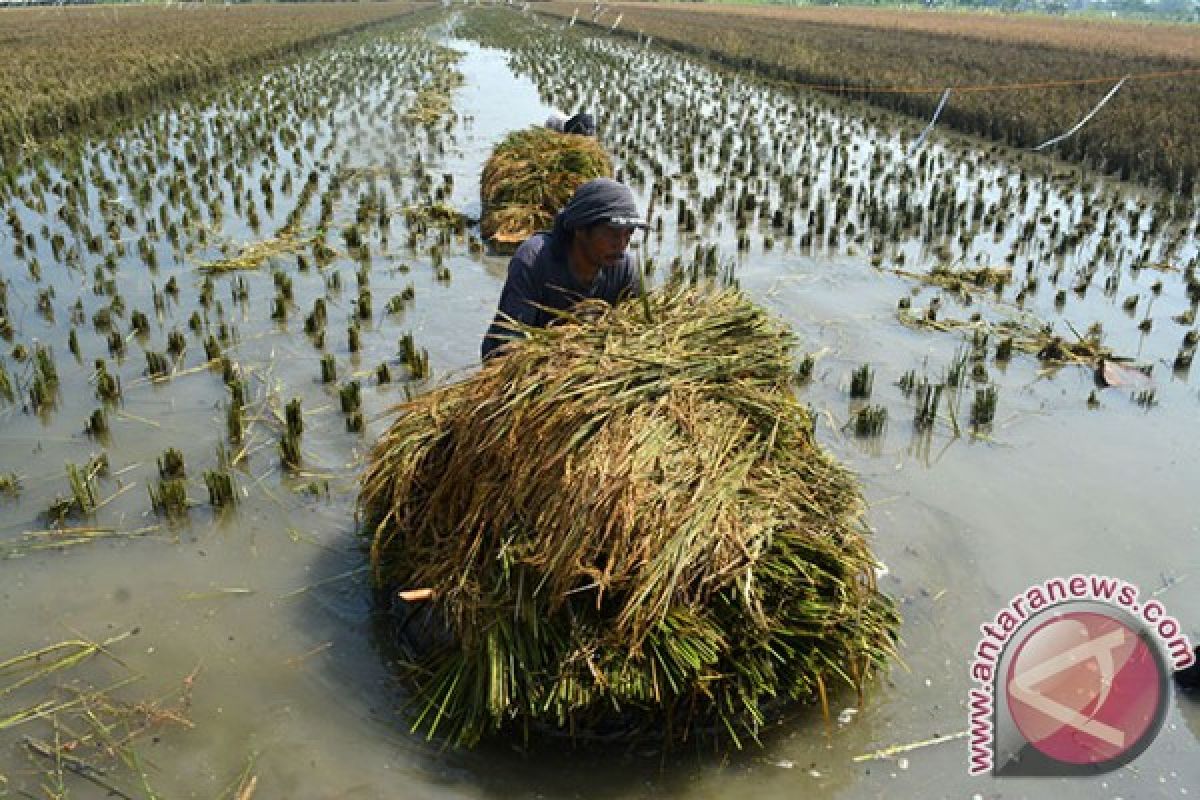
(530, 176)
(628, 529)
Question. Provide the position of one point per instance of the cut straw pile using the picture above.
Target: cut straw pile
(628, 529)
(530, 176)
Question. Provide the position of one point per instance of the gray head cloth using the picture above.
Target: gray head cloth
(601, 200)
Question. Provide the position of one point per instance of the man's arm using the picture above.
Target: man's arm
(517, 300)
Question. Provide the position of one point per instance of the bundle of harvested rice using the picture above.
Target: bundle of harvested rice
(628, 528)
(530, 176)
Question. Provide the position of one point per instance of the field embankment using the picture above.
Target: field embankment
(1020, 80)
(63, 67)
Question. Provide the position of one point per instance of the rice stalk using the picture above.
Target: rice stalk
(530, 176)
(676, 554)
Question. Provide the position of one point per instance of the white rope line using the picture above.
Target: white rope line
(1085, 120)
(937, 113)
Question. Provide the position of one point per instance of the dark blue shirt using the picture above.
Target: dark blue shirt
(538, 275)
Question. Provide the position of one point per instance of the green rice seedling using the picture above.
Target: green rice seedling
(928, 397)
(350, 395)
(861, 381)
(157, 364)
(240, 291)
(956, 373)
(45, 304)
(83, 488)
(1146, 398)
(383, 373)
(870, 421)
(294, 417)
(6, 385)
(212, 348)
(328, 368)
(398, 302)
(108, 386)
(289, 450)
(41, 396)
(237, 391)
(176, 343)
(222, 491)
(363, 305)
(116, 344)
(315, 321)
(169, 497)
(416, 360)
(231, 372)
(353, 343)
(804, 369)
(97, 424)
(44, 366)
(908, 382)
(235, 425)
(206, 292)
(170, 464)
(1004, 349)
(140, 323)
(354, 422)
(283, 284)
(226, 334)
(10, 484)
(983, 409)
(352, 236)
(979, 344)
(98, 465)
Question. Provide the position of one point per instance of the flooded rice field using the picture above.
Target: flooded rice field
(208, 312)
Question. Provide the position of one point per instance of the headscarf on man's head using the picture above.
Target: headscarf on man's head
(599, 201)
(582, 124)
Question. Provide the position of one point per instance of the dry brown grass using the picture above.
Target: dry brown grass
(1118, 37)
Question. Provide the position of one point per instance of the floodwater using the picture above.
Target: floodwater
(264, 609)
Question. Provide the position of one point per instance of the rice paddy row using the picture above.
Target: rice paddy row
(164, 239)
(70, 67)
(990, 242)
(1145, 133)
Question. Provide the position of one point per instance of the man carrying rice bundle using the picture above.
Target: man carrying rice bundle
(583, 257)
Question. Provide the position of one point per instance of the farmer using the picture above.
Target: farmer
(583, 257)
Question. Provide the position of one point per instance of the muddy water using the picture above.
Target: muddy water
(267, 604)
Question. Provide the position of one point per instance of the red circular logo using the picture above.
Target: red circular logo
(1084, 688)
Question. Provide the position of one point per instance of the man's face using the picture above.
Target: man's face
(605, 245)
